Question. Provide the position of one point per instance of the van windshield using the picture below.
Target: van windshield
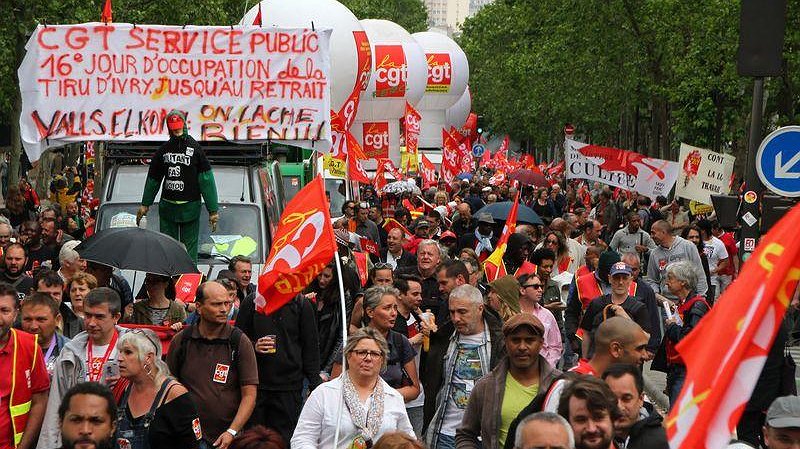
(237, 231)
(336, 191)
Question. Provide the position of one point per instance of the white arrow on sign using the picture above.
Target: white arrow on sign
(782, 170)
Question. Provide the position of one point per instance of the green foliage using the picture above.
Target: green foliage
(409, 14)
(641, 74)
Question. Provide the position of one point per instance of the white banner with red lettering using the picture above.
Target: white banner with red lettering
(703, 173)
(620, 168)
(118, 81)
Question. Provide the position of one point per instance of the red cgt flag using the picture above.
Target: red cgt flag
(304, 243)
(720, 379)
(428, 171)
(186, 286)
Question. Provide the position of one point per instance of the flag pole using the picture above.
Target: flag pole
(344, 343)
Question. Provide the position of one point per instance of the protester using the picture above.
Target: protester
(782, 426)
(530, 301)
(483, 239)
(89, 357)
(371, 407)
(503, 297)
(157, 309)
(40, 316)
(242, 269)
(544, 429)
(259, 437)
(591, 409)
(155, 411)
(15, 259)
(632, 238)
(24, 381)
(414, 324)
(80, 286)
(463, 350)
(394, 254)
(689, 309)
(324, 293)
(509, 387)
(716, 253)
(217, 364)
(429, 256)
(287, 355)
(671, 248)
(87, 417)
(400, 371)
(639, 425)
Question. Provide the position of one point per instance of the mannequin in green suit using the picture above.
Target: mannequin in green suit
(186, 174)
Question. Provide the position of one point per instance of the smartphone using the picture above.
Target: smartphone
(111, 369)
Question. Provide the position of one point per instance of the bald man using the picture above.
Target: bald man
(394, 254)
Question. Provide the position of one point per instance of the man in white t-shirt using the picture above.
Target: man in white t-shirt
(89, 357)
(462, 351)
(716, 253)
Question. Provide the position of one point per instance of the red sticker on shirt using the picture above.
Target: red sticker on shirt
(123, 443)
(198, 432)
(221, 373)
(662, 264)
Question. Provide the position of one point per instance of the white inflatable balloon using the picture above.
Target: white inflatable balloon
(350, 60)
(399, 75)
(457, 114)
(448, 74)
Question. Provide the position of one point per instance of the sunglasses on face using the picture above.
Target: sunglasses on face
(536, 286)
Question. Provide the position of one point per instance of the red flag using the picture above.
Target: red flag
(412, 120)
(388, 166)
(302, 246)
(494, 265)
(471, 125)
(720, 379)
(105, 16)
(361, 266)
(257, 20)
(450, 157)
(391, 223)
(486, 158)
(380, 177)
(186, 286)
(428, 171)
(355, 170)
(369, 246)
(502, 152)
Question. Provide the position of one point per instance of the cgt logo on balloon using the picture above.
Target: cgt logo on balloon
(376, 140)
(440, 72)
(391, 71)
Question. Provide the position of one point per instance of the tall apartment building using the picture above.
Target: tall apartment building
(449, 15)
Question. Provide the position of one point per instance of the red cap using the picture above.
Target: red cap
(174, 122)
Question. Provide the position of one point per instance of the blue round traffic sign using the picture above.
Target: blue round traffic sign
(478, 150)
(778, 161)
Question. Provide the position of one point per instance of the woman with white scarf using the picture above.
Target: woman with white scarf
(369, 407)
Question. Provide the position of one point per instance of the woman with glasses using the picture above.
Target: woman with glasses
(157, 309)
(369, 407)
(380, 307)
(555, 241)
(155, 410)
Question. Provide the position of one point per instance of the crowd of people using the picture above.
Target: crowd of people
(441, 352)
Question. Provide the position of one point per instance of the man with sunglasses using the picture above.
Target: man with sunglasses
(530, 297)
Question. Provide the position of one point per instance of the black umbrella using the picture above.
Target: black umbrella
(499, 211)
(137, 249)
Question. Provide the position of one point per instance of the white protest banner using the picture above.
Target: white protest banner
(118, 81)
(703, 173)
(620, 168)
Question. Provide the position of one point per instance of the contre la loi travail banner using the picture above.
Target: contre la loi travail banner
(118, 81)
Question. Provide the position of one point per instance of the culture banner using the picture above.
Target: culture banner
(703, 173)
(96, 81)
(620, 168)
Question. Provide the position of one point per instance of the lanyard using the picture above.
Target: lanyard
(95, 377)
(50, 349)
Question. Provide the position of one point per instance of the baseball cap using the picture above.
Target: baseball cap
(620, 268)
(784, 412)
(422, 224)
(448, 235)
(523, 319)
(174, 122)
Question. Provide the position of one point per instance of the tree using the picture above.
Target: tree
(409, 14)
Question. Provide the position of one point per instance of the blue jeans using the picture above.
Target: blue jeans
(676, 375)
(415, 415)
(444, 442)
